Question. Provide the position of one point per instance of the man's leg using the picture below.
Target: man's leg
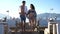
(30, 22)
(21, 22)
(24, 22)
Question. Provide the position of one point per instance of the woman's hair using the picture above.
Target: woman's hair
(32, 6)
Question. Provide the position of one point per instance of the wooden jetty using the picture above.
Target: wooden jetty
(28, 29)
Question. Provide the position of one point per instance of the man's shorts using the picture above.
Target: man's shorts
(23, 18)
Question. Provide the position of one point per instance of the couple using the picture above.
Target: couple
(31, 13)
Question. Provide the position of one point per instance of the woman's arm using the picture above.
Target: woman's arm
(28, 12)
(35, 13)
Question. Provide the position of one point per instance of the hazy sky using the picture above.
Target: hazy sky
(41, 6)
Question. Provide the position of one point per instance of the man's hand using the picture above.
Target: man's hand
(19, 13)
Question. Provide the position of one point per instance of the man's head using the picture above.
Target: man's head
(23, 2)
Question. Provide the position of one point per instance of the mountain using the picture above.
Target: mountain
(43, 18)
(12, 22)
(4, 15)
(48, 15)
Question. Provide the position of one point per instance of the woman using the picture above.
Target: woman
(32, 15)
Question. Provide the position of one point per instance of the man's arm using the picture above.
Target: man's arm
(19, 9)
(26, 9)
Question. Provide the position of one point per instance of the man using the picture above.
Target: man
(22, 13)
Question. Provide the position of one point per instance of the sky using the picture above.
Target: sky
(41, 6)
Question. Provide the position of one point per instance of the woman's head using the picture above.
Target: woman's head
(32, 6)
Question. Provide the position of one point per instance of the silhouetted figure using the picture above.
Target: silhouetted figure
(5, 19)
(23, 12)
(32, 15)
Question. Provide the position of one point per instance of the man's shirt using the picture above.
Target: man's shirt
(23, 10)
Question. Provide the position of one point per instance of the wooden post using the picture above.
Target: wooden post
(5, 29)
(54, 29)
(57, 28)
